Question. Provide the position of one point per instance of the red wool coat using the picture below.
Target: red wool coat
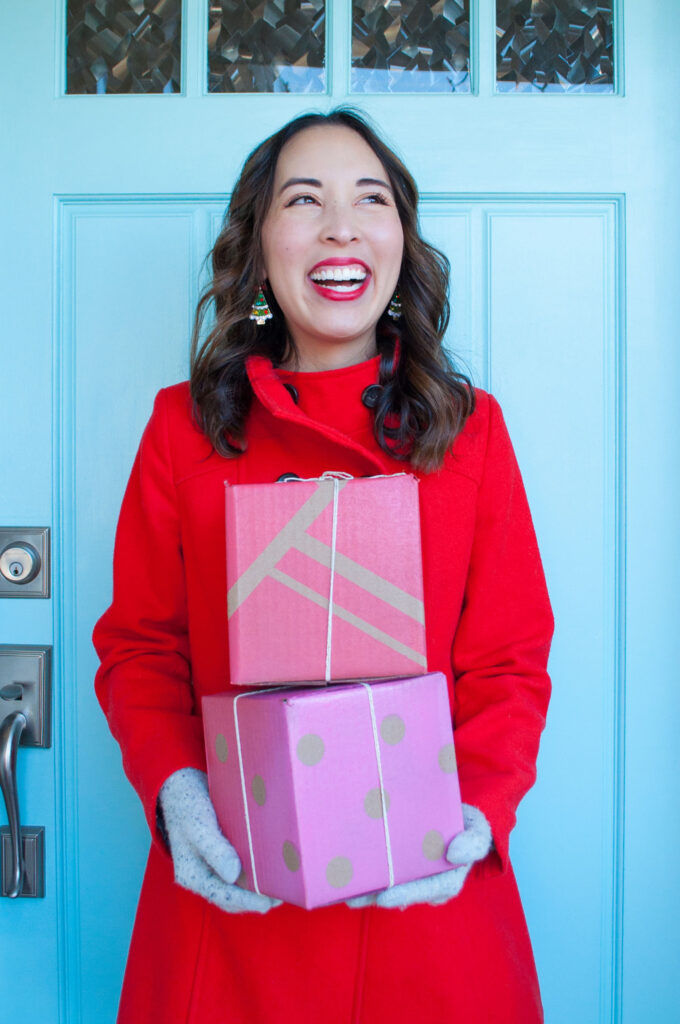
(163, 644)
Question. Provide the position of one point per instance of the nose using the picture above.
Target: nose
(340, 224)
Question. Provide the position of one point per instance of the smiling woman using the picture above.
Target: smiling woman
(332, 238)
(325, 198)
(315, 364)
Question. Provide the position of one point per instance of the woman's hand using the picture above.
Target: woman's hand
(464, 850)
(205, 862)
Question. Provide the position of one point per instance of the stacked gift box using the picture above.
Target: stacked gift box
(330, 791)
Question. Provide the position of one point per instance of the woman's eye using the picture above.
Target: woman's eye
(376, 197)
(301, 200)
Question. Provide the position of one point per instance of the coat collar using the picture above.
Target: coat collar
(330, 402)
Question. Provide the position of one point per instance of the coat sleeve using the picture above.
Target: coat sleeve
(144, 681)
(500, 650)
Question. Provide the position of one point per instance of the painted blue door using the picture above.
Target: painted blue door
(560, 215)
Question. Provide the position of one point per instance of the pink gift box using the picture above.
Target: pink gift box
(295, 779)
(295, 547)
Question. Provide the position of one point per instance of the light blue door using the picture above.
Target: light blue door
(560, 214)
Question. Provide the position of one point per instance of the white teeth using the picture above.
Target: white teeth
(352, 273)
(344, 286)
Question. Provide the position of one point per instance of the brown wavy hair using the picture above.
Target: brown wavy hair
(424, 401)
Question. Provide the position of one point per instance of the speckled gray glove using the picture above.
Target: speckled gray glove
(205, 862)
(464, 850)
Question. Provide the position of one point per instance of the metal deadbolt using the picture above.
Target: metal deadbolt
(19, 563)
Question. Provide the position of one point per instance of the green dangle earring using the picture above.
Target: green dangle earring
(394, 308)
(260, 312)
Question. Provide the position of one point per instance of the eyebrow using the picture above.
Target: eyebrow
(374, 181)
(315, 183)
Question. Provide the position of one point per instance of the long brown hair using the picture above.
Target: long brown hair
(424, 401)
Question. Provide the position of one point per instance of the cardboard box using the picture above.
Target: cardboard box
(294, 547)
(295, 781)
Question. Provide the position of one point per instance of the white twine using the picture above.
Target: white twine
(334, 535)
(335, 476)
(249, 693)
(376, 742)
(332, 474)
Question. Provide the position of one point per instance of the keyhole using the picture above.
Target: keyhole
(16, 568)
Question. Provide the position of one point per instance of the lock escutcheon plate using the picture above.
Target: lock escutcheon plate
(24, 548)
(25, 686)
(33, 851)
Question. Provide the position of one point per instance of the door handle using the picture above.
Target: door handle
(11, 732)
(24, 720)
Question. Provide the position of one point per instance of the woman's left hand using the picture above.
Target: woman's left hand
(464, 850)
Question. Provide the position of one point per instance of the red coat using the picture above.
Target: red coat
(163, 644)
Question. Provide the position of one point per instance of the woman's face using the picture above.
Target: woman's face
(332, 245)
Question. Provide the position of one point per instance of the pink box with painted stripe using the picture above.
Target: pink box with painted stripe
(294, 546)
(295, 779)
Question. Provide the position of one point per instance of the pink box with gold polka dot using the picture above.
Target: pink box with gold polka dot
(295, 778)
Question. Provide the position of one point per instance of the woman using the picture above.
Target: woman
(325, 354)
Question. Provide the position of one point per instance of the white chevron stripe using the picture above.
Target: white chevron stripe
(347, 616)
(363, 577)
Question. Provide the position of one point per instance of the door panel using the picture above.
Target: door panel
(123, 337)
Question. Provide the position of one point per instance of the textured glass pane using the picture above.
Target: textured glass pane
(277, 46)
(123, 46)
(410, 46)
(554, 46)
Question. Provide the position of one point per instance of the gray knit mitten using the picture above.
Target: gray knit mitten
(464, 849)
(205, 862)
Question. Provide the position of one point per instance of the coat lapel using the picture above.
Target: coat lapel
(277, 400)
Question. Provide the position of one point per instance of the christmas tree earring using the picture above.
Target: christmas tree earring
(260, 312)
(394, 308)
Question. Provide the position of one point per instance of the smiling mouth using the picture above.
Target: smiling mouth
(340, 280)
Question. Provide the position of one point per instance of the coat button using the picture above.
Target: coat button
(370, 395)
(293, 392)
(287, 476)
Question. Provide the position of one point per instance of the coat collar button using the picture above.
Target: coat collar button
(371, 395)
(293, 392)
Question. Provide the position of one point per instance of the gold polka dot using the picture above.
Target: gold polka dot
(373, 805)
(291, 856)
(433, 845)
(339, 872)
(310, 748)
(392, 729)
(221, 747)
(447, 758)
(259, 790)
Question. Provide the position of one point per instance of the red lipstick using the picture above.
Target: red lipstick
(339, 294)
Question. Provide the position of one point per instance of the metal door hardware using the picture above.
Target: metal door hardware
(24, 561)
(33, 857)
(20, 564)
(24, 719)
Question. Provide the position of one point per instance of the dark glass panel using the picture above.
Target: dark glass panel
(123, 46)
(277, 46)
(554, 46)
(410, 46)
